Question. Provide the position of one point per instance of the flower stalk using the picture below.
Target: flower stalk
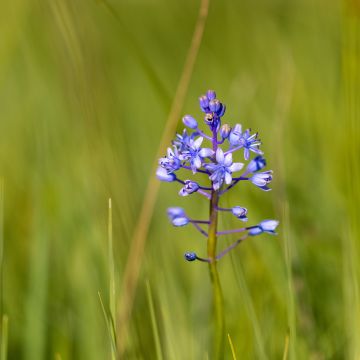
(188, 153)
(218, 302)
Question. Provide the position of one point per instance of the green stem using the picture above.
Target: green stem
(219, 339)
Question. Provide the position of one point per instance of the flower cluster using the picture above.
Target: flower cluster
(216, 161)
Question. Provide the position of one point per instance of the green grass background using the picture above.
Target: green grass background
(85, 90)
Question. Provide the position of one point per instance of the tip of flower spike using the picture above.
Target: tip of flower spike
(190, 256)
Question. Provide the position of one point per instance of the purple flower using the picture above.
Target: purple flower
(256, 164)
(222, 170)
(189, 188)
(171, 161)
(194, 154)
(240, 212)
(163, 175)
(251, 143)
(190, 122)
(262, 179)
(267, 226)
(177, 216)
(235, 135)
(240, 139)
(182, 141)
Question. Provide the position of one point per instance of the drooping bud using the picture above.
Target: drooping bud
(256, 164)
(262, 179)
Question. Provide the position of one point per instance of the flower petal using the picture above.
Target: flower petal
(219, 156)
(175, 211)
(211, 167)
(228, 178)
(246, 154)
(269, 225)
(162, 175)
(228, 159)
(180, 221)
(236, 167)
(183, 192)
(196, 161)
(197, 143)
(206, 152)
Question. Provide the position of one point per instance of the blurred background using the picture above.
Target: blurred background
(86, 88)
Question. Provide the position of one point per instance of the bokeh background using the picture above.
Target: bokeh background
(85, 90)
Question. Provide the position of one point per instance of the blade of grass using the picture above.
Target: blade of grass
(132, 44)
(259, 341)
(112, 290)
(108, 326)
(4, 337)
(153, 322)
(286, 347)
(1, 246)
(132, 268)
(351, 86)
(291, 307)
(232, 347)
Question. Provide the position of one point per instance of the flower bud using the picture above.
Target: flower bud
(204, 103)
(190, 122)
(225, 131)
(163, 175)
(211, 94)
(256, 164)
(190, 256)
(189, 188)
(214, 105)
(240, 212)
(262, 179)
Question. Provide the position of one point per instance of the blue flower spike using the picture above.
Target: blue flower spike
(220, 163)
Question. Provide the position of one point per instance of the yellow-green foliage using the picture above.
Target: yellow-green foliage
(85, 90)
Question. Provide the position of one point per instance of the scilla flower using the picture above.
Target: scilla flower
(214, 162)
(171, 161)
(194, 154)
(222, 170)
(262, 179)
(189, 188)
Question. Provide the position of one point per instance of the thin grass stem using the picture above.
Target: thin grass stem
(232, 347)
(159, 354)
(4, 337)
